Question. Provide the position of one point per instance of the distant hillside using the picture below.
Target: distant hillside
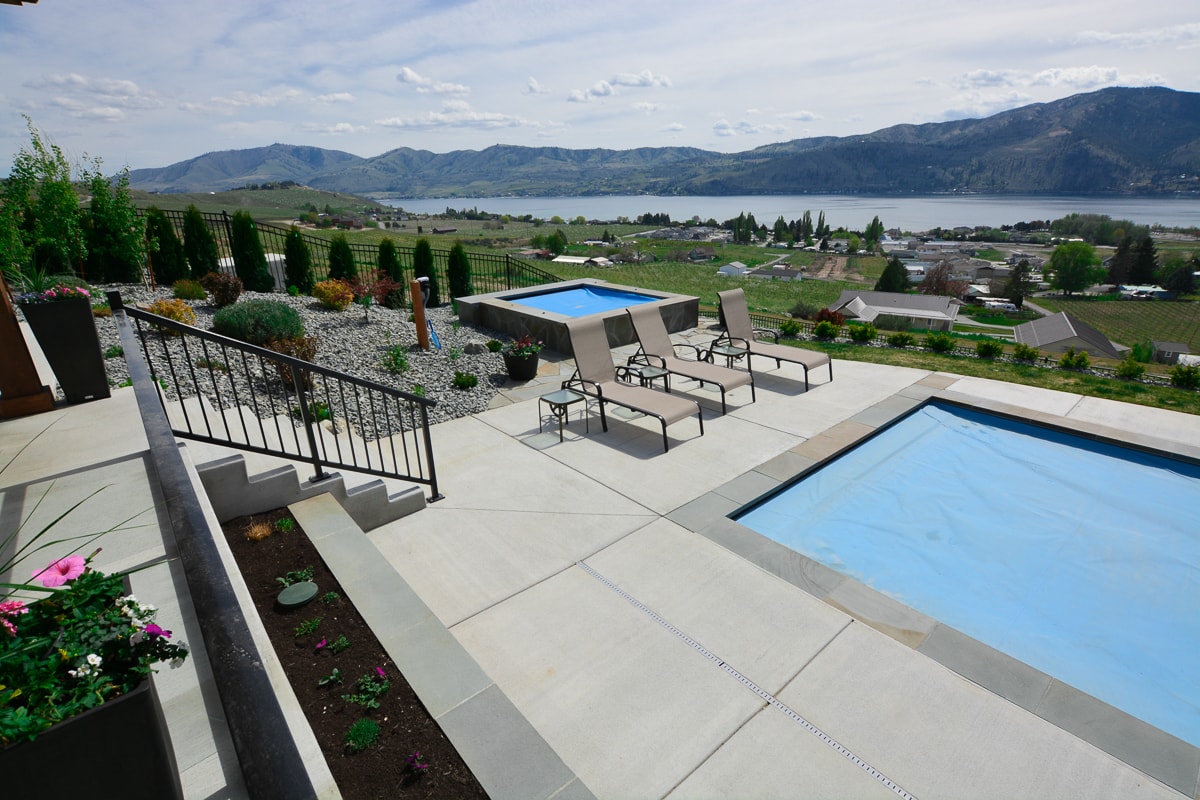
(1114, 141)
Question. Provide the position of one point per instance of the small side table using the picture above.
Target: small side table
(648, 375)
(731, 352)
(560, 403)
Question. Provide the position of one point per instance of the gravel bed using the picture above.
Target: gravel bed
(349, 343)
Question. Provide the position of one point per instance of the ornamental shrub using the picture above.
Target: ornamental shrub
(985, 348)
(188, 289)
(939, 342)
(334, 294)
(901, 339)
(166, 251)
(389, 262)
(199, 245)
(301, 347)
(825, 315)
(825, 330)
(249, 260)
(259, 321)
(1185, 376)
(176, 310)
(1074, 360)
(297, 261)
(1023, 352)
(423, 268)
(862, 333)
(341, 260)
(789, 327)
(1130, 369)
(458, 272)
(223, 289)
(465, 380)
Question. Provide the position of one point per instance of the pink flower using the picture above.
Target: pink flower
(320, 644)
(59, 572)
(153, 631)
(379, 670)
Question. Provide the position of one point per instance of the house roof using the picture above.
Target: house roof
(1060, 327)
(1170, 347)
(868, 305)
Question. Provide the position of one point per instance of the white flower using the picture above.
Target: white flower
(94, 660)
(136, 638)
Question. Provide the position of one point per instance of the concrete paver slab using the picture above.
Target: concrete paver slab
(1031, 397)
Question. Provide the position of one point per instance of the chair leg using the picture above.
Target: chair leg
(603, 419)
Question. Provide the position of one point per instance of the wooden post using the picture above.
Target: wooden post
(21, 390)
(418, 305)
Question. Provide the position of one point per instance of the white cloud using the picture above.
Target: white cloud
(240, 100)
(428, 85)
(533, 87)
(457, 114)
(989, 77)
(675, 127)
(77, 109)
(336, 129)
(648, 108)
(1188, 33)
(643, 79)
(725, 128)
(800, 115)
(87, 97)
(336, 97)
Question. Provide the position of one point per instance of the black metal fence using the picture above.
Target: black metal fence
(237, 395)
(490, 272)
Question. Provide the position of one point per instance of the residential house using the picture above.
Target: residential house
(1059, 332)
(923, 310)
(1170, 352)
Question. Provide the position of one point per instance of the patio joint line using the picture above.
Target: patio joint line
(751, 685)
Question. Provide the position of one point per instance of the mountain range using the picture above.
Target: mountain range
(1112, 141)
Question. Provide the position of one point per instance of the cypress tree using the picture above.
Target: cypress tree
(166, 251)
(297, 261)
(249, 260)
(341, 260)
(389, 261)
(423, 268)
(199, 244)
(1145, 263)
(458, 272)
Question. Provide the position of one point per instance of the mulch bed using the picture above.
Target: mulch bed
(405, 726)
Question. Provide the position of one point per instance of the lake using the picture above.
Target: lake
(851, 211)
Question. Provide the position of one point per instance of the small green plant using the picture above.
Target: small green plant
(115, 351)
(370, 687)
(789, 327)
(293, 291)
(285, 525)
(1023, 352)
(297, 576)
(939, 342)
(362, 734)
(862, 333)
(1130, 369)
(335, 294)
(494, 345)
(308, 626)
(418, 390)
(1143, 352)
(189, 290)
(454, 353)
(395, 359)
(259, 321)
(1074, 360)
(465, 380)
(330, 597)
(316, 410)
(331, 678)
(826, 329)
(985, 348)
(176, 310)
(1185, 376)
(339, 644)
(901, 340)
(208, 363)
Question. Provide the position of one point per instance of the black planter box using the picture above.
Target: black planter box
(66, 332)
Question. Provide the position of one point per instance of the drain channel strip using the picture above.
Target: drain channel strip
(752, 686)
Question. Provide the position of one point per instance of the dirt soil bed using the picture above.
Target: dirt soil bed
(382, 770)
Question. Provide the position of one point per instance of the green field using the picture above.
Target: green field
(1128, 322)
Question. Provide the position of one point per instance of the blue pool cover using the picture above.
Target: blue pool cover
(583, 301)
(1080, 558)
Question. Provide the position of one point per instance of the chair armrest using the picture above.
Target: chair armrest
(646, 360)
(576, 381)
(697, 353)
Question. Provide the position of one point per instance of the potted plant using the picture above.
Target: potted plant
(75, 691)
(60, 316)
(521, 358)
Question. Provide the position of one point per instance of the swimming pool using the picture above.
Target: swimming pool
(1078, 557)
(543, 311)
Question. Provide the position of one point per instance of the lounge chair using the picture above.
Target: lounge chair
(740, 332)
(596, 376)
(659, 351)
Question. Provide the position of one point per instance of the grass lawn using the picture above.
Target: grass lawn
(1128, 322)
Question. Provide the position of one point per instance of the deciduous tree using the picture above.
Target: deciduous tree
(115, 234)
(1075, 266)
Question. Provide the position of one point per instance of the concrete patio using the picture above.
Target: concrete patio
(639, 643)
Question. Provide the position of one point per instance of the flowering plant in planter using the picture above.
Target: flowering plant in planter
(86, 642)
(523, 348)
(55, 294)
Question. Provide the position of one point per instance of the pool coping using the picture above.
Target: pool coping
(1155, 752)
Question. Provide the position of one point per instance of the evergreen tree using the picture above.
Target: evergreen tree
(166, 251)
(806, 226)
(894, 277)
(1121, 265)
(115, 234)
(873, 234)
(341, 260)
(1019, 285)
(389, 261)
(423, 268)
(249, 260)
(822, 229)
(458, 272)
(1145, 263)
(297, 261)
(199, 244)
(1178, 275)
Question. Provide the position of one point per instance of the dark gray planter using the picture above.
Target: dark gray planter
(66, 332)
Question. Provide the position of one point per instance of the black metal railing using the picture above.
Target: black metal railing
(237, 395)
(490, 272)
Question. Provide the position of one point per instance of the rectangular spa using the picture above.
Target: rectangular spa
(1079, 557)
(542, 311)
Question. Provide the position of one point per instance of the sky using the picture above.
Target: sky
(147, 83)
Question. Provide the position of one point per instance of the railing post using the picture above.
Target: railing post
(308, 419)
